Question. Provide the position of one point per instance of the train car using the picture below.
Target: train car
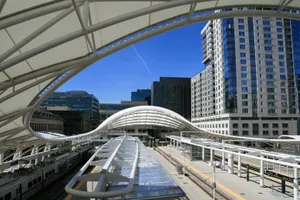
(24, 183)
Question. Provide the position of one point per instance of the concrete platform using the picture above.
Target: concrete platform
(247, 190)
(192, 191)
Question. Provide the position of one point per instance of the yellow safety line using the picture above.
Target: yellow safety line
(209, 178)
(78, 186)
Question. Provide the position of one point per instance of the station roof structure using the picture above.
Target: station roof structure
(44, 43)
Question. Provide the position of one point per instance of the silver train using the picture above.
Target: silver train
(24, 183)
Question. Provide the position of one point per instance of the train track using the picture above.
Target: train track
(204, 184)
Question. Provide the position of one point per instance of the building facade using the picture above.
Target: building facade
(141, 95)
(250, 84)
(108, 109)
(75, 122)
(76, 101)
(173, 93)
(45, 121)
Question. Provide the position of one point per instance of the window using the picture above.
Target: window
(282, 77)
(243, 68)
(245, 103)
(39, 179)
(241, 27)
(235, 125)
(244, 75)
(275, 132)
(241, 33)
(269, 69)
(275, 125)
(7, 196)
(243, 61)
(265, 132)
(244, 96)
(245, 110)
(244, 89)
(265, 125)
(281, 57)
(245, 125)
(280, 49)
(270, 83)
(281, 63)
(245, 132)
(269, 76)
(283, 90)
(270, 90)
(285, 125)
(269, 62)
(285, 132)
(267, 41)
(267, 29)
(242, 46)
(29, 184)
(235, 132)
(242, 40)
(268, 56)
(34, 181)
(271, 110)
(244, 82)
(266, 23)
(241, 20)
(267, 35)
(280, 36)
(268, 48)
(282, 70)
(278, 23)
(279, 30)
(270, 97)
(243, 55)
(280, 43)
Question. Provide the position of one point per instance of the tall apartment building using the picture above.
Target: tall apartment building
(251, 81)
(141, 95)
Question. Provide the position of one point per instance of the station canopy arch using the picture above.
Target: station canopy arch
(45, 43)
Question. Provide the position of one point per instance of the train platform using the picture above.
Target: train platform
(231, 183)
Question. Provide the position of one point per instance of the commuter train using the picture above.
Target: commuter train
(24, 183)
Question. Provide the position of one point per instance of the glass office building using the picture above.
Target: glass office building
(76, 101)
(250, 85)
(141, 95)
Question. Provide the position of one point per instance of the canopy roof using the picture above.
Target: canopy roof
(46, 42)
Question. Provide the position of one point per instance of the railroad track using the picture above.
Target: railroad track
(204, 184)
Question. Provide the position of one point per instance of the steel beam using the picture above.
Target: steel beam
(15, 113)
(132, 15)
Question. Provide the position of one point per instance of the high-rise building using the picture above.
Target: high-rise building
(141, 95)
(173, 93)
(76, 101)
(250, 84)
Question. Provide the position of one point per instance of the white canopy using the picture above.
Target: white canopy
(43, 43)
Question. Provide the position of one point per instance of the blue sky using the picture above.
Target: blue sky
(176, 53)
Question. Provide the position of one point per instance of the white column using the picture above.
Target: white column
(223, 159)
(239, 165)
(211, 155)
(203, 153)
(261, 178)
(296, 184)
(230, 163)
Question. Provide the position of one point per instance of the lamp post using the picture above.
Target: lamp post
(214, 180)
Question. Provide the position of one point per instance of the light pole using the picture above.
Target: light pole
(214, 180)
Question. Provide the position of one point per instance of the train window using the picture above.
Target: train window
(1, 198)
(39, 179)
(46, 175)
(53, 171)
(7, 196)
(30, 184)
(34, 181)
